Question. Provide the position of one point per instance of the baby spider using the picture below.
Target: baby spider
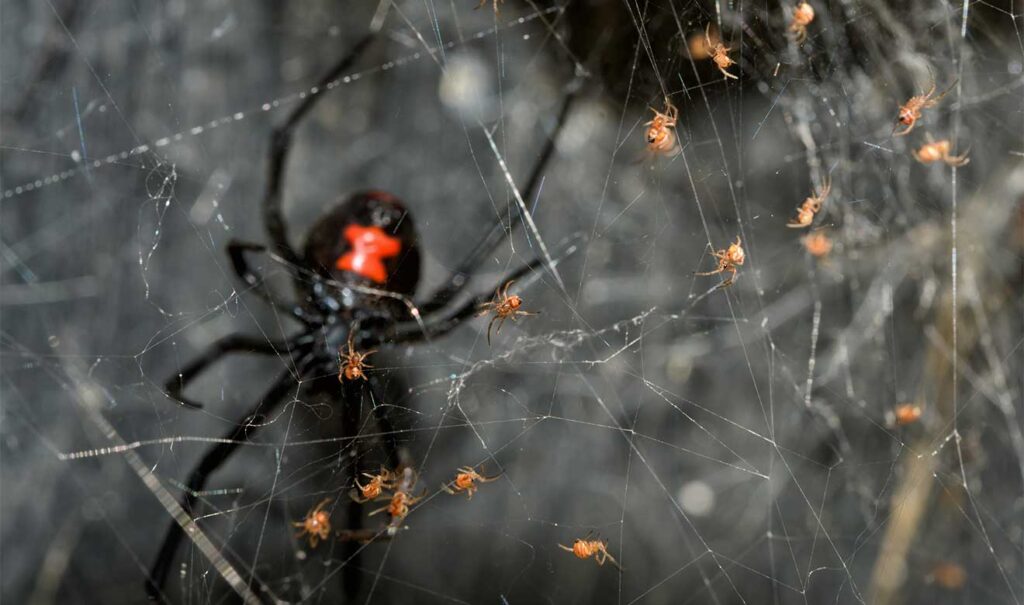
(728, 260)
(817, 244)
(948, 575)
(352, 364)
(373, 490)
(317, 524)
(398, 508)
(504, 307)
(910, 113)
(465, 481)
(661, 136)
(936, 151)
(805, 213)
(584, 548)
(719, 54)
(906, 413)
(803, 14)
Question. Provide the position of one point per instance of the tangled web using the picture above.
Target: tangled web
(841, 424)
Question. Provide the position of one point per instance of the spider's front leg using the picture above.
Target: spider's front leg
(504, 225)
(214, 458)
(244, 271)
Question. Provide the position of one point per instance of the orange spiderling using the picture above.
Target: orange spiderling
(817, 244)
(910, 112)
(907, 413)
(352, 364)
(584, 548)
(719, 54)
(383, 480)
(661, 136)
(465, 481)
(939, 151)
(948, 575)
(728, 260)
(803, 14)
(811, 206)
(317, 524)
(505, 306)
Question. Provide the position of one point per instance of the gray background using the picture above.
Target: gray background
(630, 393)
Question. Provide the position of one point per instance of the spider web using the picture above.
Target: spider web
(731, 444)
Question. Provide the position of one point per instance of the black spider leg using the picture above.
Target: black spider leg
(280, 144)
(352, 577)
(384, 425)
(235, 343)
(413, 331)
(497, 231)
(210, 462)
(236, 251)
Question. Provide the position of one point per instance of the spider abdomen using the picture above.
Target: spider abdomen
(369, 238)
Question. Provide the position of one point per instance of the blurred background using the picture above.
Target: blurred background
(840, 425)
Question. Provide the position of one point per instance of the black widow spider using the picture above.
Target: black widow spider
(357, 272)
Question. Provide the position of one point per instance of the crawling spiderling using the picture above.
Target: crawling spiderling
(803, 14)
(383, 480)
(584, 548)
(810, 207)
(353, 363)
(465, 481)
(317, 524)
(728, 260)
(661, 135)
(910, 112)
(505, 306)
(720, 54)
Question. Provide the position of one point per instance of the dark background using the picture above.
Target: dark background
(674, 422)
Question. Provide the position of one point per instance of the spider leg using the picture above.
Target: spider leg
(935, 100)
(280, 144)
(236, 251)
(564, 547)
(903, 132)
(497, 232)
(379, 510)
(608, 558)
(489, 326)
(210, 462)
(826, 188)
(412, 331)
(235, 343)
(715, 272)
(351, 412)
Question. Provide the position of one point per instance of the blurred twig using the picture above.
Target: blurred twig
(984, 222)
